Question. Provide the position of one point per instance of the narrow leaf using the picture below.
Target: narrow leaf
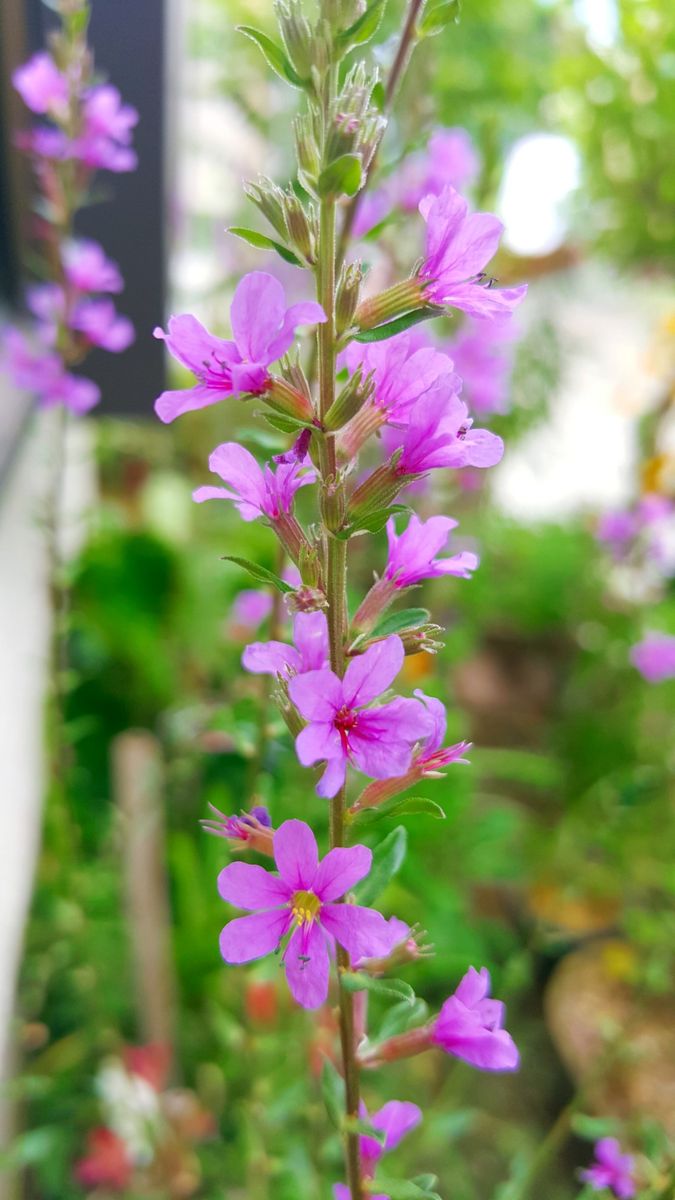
(333, 1092)
(425, 1181)
(342, 177)
(407, 618)
(387, 860)
(403, 1189)
(435, 19)
(356, 1125)
(401, 1017)
(274, 55)
(382, 332)
(260, 573)
(364, 28)
(360, 981)
(282, 423)
(262, 242)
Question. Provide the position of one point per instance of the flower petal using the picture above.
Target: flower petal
(317, 741)
(305, 313)
(248, 886)
(310, 634)
(251, 937)
(296, 855)
(333, 778)
(270, 658)
(371, 673)
(258, 307)
(473, 987)
(395, 1119)
(170, 405)
(363, 932)
(340, 870)
(317, 695)
(307, 967)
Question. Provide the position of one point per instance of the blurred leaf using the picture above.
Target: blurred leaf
(262, 242)
(357, 1125)
(333, 1092)
(342, 177)
(364, 28)
(360, 981)
(593, 1127)
(258, 572)
(425, 1181)
(401, 1017)
(388, 858)
(435, 19)
(274, 56)
(383, 332)
(403, 1189)
(401, 807)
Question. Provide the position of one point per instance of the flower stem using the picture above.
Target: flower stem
(336, 593)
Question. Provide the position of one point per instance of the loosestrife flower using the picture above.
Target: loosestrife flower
(395, 1120)
(42, 371)
(440, 434)
(97, 321)
(459, 245)
(341, 729)
(253, 829)
(449, 158)
(470, 1026)
(105, 142)
(483, 354)
(300, 900)
(412, 554)
(611, 1169)
(654, 657)
(311, 651)
(263, 330)
(88, 269)
(254, 491)
(42, 87)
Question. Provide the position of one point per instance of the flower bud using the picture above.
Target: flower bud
(402, 1045)
(269, 200)
(292, 719)
(397, 301)
(355, 127)
(310, 566)
(285, 399)
(306, 599)
(376, 492)
(424, 638)
(297, 36)
(356, 392)
(347, 295)
(307, 151)
(340, 14)
(301, 227)
(333, 505)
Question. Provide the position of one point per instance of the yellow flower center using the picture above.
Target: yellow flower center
(305, 907)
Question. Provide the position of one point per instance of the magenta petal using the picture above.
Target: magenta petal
(258, 307)
(363, 932)
(316, 694)
(296, 855)
(248, 886)
(473, 987)
(170, 405)
(371, 673)
(310, 634)
(306, 313)
(308, 967)
(270, 658)
(395, 1119)
(341, 1192)
(340, 870)
(251, 937)
(316, 742)
(333, 778)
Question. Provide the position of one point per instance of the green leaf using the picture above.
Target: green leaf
(378, 96)
(435, 19)
(260, 573)
(341, 177)
(262, 242)
(401, 1017)
(360, 981)
(364, 28)
(282, 423)
(403, 1189)
(382, 332)
(407, 618)
(375, 520)
(593, 1127)
(357, 1125)
(333, 1092)
(387, 860)
(425, 1181)
(274, 56)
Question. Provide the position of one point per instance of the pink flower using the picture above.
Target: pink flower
(100, 323)
(449, 158)
(440, 434)
(459, 245)
(611, 1169)
(108, 130)
(654, 657)
(87, 268)
(412, 559)
(256, 492)
(242, 828)
(311, 651)
(483, 355)
(469, 1026)
(373, 208)
(395, 1119)
(41, 371)
(263, 330)
(403, 371)
(432, 755)
(301, 899)
(42, 87)
(251, 607)
(378, 741)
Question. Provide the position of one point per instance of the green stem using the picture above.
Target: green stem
(336, 591)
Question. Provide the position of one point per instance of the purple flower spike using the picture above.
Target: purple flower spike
(100, 323)
(379, 741)
(412, 553)
(87, 268)
(263, 330)
(395, 1120)
(41, 371)
(42, 87)
(108, 130)
(469, 1026)
(611, 1169)
(301, 901)
(440, 434)
(256, 492)
(311, 651)
(459, 245)
(654, 657)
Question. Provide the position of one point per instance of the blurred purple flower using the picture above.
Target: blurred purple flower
(100, 323)
(450, 158)
(440, 434)
(412, 559)
(470, 1026)
(654, 657)
(378, 741)
(263, 330)
(483, 356)
(41, 371)
(395, 1120)
(87, 269)
(242, 828)
(301, 899)
(42, 87)
(251, 607)
(611, 1169)
(105, 142)
(311, 651)
(459, 245)
(373, 208)
(256, 492)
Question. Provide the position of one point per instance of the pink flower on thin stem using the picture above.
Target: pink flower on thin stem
(105, 142)
(449, 158)
(654, 657)
(42, 87)
(88, 269)
(263, 330)
(412, 554)
(395, 1120)
(311, 651)
(459, 245)
(470, 1026)
(378, 741)
(301, 901)
(611, 1169)
(440, 434)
